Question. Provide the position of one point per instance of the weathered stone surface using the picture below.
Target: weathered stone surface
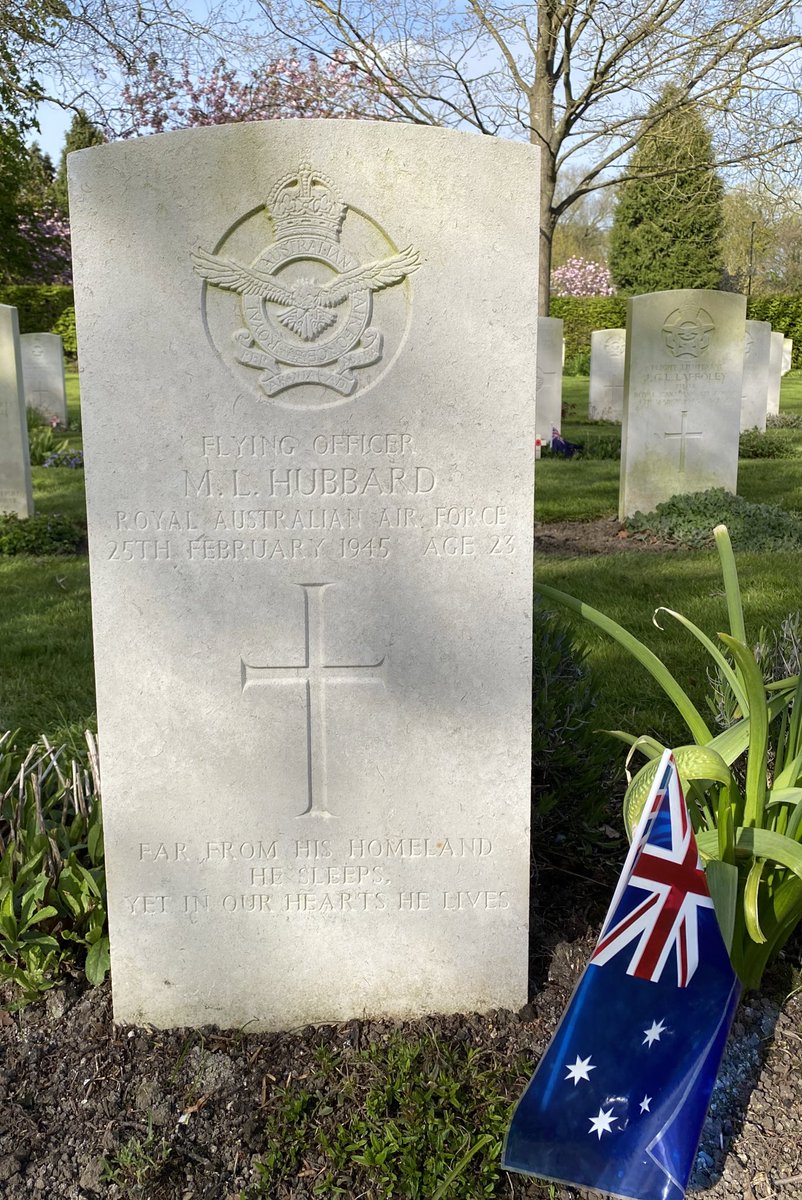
(788, 350)
(308, 370)
(775, 373)
(755, 384)
(681, 396)
(548, 399)
(607, 350)
(43, 374)
(15, 467)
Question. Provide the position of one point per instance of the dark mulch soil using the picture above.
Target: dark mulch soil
(74, 1088)
(605, 536)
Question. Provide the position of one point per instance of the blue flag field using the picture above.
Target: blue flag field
(618, 1100)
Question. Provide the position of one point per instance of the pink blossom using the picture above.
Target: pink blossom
(581, 277)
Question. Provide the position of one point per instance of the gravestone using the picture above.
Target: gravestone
(15, 466)
(607, 350)
(309, 488)
(681, 396)
(43, 374)
(755, 384)
(548, 396)
(788, 352)
(775, 373)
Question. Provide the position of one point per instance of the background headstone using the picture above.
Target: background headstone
(607, 350)
(681, 396)
(755, 383)
(775, 373)
(43, 374)
(788, 351)
(308, 363)
(15, 466)
(548, 397)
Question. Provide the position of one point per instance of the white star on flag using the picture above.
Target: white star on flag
(602, 1123)
(653, 1033)
(644, 1104)
(580, 1069)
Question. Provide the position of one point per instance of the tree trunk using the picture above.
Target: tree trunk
(541, 120)
(547, 226)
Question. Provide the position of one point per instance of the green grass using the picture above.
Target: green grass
(47, 682)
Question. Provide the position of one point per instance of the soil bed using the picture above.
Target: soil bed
(605, 536)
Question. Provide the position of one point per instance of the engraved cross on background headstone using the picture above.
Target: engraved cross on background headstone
(683, 435)
(315, 674)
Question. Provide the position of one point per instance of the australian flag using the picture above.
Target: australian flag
(618, 1101)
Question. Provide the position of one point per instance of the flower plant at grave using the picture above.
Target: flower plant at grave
(743, 785)
(581, 277)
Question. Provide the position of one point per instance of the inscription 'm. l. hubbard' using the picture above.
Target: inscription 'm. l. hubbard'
(315, 674)
(288, 345)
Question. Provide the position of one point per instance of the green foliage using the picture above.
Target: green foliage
(137, 1164)
(43, 533)
(754, 444)
(52, 880)
(42, 441)
(690, 519)
(65, 328)
(743, 785)
(401, 1120)
(81, 135)
(784, 420)
(39, 304)
(668, 222)
(785, 315)
(569, 763)
(580, 315)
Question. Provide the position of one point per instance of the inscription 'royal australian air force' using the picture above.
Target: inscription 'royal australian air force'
(310, 524)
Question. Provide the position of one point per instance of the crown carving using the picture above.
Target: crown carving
(306, 202)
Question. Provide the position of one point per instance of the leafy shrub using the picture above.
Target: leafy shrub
(40, 534)
(743, 785)
(784, 420)
(577, 364)
(39, 304)
(42, 444)
(52, 879)
(754, 444)
(690, 519)
(65, 327)
(784, 313)
(569, 760)
(64, 457)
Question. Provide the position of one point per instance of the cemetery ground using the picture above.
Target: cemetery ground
(374, 1109)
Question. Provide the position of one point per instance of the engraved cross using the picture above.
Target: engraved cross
(315, 674)
(683, 435)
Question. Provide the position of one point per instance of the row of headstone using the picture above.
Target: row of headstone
(767, 356)
(310, 504)
(15, 466)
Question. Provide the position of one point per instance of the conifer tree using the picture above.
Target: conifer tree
(81, 135)
(668, 222)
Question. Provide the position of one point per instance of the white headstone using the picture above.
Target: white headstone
(788, 352)
(775, 373)
(681, 396)
(755, 384)
(548, 397)
(43, 374)
(15, 466)
(308, 366)
(607, 350)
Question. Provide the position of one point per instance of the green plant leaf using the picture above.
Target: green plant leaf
(755, 798)
(659, 672)
(732, 588)
(756, 843)
(751, 901)
(693, 762)
(722, 882)
(714, 652)
(98, 962)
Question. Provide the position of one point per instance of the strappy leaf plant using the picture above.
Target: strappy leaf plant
(743, 785)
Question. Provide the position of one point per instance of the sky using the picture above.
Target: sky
(54, 123)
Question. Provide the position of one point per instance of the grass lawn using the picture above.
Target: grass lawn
(46, 674)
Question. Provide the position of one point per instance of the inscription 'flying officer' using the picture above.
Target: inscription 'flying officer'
(308, 303)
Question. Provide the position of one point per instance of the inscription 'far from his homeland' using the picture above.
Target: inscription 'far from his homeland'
(311, 324)
(315, 674)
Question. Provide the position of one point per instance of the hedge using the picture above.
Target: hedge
(39, 304)
(582, 314)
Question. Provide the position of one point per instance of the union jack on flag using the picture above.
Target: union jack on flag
(674, 882)
(618, 1100)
